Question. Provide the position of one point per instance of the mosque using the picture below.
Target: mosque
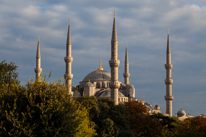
(104, 84)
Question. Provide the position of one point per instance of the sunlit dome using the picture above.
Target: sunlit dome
(107, 93)
(98, 75)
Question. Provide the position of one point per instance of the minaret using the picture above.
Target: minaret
(68, 60)
(38, 68)
(114, 64)
(143, 101)
(126, 73)
(168, 80)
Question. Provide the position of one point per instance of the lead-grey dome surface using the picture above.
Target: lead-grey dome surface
(107, 93)
(98, 75)
(129, 86)
(181, 113)
(88, 84)
(157, 107)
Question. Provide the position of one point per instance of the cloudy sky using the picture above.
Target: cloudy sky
(142, 24)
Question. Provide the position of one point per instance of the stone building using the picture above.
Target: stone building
(105, 84)
(181, 115)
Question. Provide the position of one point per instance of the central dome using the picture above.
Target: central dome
(98, 75)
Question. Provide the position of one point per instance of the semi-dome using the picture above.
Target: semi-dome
(88, 84)
(189, 115)
(107, 93)
(98, 75)
(129, 86)
(174, 116)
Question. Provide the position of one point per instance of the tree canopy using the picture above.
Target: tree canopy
(108, 119)
(8, 73)
(142, 124)
(42, 109)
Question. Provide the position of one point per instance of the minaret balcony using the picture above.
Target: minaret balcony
(114, 85)
(68, 59)
(38, 70)
(114, 63)
(168, 81)
(169, 97)
(126, 75)
(168, 66)
(68, 76)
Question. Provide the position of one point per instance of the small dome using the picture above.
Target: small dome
(181, 113)
(129, 86)
(174, 116)
(148, 105)
(98, 75)
(190, 116)
(157, 107)
(88, 84)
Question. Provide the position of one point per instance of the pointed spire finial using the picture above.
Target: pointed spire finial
(168, 43)
(114, 31)
(68, 36)
(126, 44)
(167, 31)
(100, 65)
(38, 55)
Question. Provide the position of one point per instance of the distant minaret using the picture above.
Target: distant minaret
(114, 64)
(38, 68)
(168, 80)
(143, 101)
(68, 60)
(126, 73)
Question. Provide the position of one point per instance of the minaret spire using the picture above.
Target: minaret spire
(126, 73)
(114, 64)
(114, 31)
(143, 99)
(168, 80)
(38, 68)
(68, 60)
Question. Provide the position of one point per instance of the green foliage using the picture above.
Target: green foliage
(109, 119)
(42, 109)
(8, 73)
(166, 122)
(191, 127)
(142, 124)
